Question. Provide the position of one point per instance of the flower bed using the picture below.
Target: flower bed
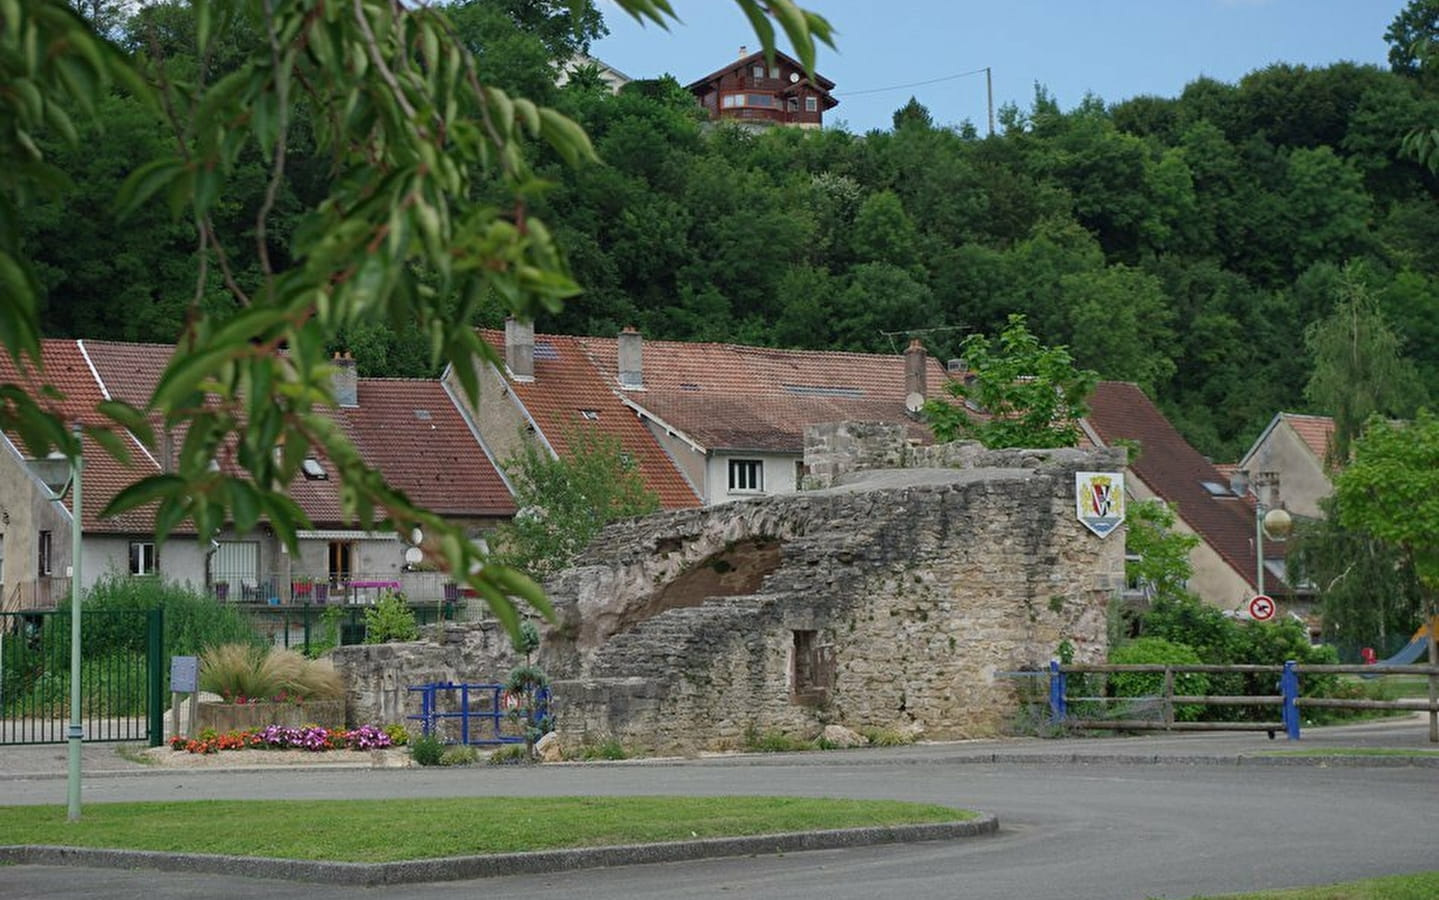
(244, 714)
(279, 737)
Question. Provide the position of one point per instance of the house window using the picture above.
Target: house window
(759, 71)
(142, 558)
(811, 104)
(774, 72)
(793, 104)
(760, 100)
(746, 475)
(45, 548)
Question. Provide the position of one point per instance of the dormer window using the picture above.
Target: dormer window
(312, 469)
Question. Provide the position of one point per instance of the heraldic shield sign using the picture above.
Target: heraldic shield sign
(1099, 500)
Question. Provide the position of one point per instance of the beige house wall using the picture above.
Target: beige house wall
(1302, 479)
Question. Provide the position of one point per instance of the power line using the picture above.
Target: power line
(900, 87)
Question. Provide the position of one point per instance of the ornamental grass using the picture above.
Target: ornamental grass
(242, 673)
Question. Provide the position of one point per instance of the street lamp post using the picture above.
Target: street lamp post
(60, 475)
(1273, 521)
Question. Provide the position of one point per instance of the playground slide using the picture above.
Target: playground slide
(1417, 648)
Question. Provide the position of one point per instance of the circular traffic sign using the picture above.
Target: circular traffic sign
(1262, 608)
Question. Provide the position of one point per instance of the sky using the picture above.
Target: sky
(1115, 49)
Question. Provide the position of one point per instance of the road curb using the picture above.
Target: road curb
(468, 867)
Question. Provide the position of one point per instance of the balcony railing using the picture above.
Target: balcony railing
(361, 588)
(46, 592)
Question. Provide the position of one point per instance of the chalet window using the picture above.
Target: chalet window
(794, 104)
(746, 475)
(811, 104)
(774, 72)
(759, 71)
(45, 548)
(732, 100)
(760, 100)
(142, 558)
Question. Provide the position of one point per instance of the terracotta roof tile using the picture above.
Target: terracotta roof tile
(1176, 472)
(734, 397)
(1315, 431)
(566, 382)
(67, 370)
(410, 430)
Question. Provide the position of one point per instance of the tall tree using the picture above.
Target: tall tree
(1359, 368)
(425, 217)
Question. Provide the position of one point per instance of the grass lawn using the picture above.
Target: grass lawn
(1423, 886)
(391, 830)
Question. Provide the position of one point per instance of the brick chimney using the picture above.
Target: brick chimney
(631, 359)
(346, 380)
(914, 369)
(520, 349)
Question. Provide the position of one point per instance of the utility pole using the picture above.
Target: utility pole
(989, 91)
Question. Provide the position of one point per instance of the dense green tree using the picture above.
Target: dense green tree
(1026, 394)
(1359, 368)
(1412, 35)
(564, 502)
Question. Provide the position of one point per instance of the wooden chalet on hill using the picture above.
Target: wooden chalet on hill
(753, 91)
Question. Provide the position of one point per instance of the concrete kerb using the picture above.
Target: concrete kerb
(468, 867)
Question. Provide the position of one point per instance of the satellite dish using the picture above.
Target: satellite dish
(417, 536)
(793, 77)
(914, 402)
(414, 556)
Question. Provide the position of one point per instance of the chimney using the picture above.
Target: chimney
(914, 369)
(520, 349)
(743, 51)
(631, 353)
(346, 381)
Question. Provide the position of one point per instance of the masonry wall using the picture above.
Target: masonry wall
(924, 586)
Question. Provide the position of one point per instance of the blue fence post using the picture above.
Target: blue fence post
(1289, 687)
(465, 714)
(1056, 693)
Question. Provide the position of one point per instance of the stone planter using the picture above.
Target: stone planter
(225, 717)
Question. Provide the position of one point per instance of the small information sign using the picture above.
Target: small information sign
(184, 674)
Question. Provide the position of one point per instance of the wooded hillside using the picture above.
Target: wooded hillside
(1182, 243)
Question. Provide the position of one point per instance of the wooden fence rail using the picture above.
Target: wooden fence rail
(1288, 700)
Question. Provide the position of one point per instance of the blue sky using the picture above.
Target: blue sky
(1115, 49)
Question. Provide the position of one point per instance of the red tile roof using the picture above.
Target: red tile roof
(410, 430)
(1315, 431)
(566, 381)
(734, 397)
(68, 371)
(1176, 472)
(420, 456)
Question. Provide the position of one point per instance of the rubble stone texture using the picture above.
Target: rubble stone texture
(893, 598)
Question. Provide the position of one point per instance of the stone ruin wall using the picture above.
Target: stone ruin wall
(677, 631)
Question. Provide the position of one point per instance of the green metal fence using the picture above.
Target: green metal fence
(313, 628)
(122, 676)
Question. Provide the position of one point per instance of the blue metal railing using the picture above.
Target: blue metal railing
(488, 719)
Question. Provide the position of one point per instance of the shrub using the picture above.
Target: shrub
(240, 672)
(1151, 650)
(774, 742)
(427, 750)
(886, 737)
(390, 619)
(399, 734)
(510, 755)
(609, 748)
(459, 755)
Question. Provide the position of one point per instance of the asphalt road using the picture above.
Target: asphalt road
(1067, 830)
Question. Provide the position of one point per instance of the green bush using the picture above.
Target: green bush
(609, 748)
(427, 750)
(390, 619)
(886, 737)
(1152, 650)
(510, 755)
(459, 755)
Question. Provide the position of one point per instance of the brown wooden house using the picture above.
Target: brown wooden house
(754, 91)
